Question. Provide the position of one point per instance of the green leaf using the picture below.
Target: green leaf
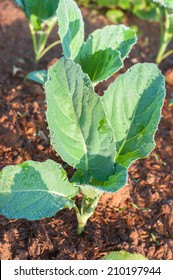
(39, 76)
(114, 183)
(165, 3)
(90, 192)
(104, 50)
(71, 28)
(101, 64)
(115, 37)
(34, 190)
(125, 4)
(39, 12)
(92, 187)
(107, 2)
(115, 16)
(148, 12)
(77, 121)
(132, 105)
(123, 255)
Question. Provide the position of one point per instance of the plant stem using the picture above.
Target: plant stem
(34, 42)
(88, 207)
(39, 40)
(80, 228)
(166, 37)
(48, 48)
(162, 51)
(167, 54)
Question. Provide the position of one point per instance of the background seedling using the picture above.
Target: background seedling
(165, 15)
(41, 15)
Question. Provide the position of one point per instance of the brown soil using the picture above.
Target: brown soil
(139, 218)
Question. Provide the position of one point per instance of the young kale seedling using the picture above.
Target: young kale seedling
(99, 136)
(41, 15)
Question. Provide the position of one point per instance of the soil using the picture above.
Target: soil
(138, 218)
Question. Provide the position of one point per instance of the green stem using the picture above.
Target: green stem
(167, 54)
(162, 50)
(34, 42)
(166, 37)
(81, 225)
(161, 15)
(39, 40)
(88, 207)
(41, 43)
(48, 48)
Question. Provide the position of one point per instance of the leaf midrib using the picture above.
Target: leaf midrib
(77, 121)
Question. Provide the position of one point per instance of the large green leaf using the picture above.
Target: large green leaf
(123, 255)
(114, 183)
(101, 64)
(115, 37)
(104, 50)
(132, 105)
(76, 120)
(39, 12)
(102, 54)
(94, 187)
(34, 190)
(71, 28)
(80, 126)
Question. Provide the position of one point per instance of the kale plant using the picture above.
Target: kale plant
(99, 136)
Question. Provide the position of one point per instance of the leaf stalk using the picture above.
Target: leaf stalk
(165, 39)
(39, 41)
(88, 207)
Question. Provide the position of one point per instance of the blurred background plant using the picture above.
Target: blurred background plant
(115, 9)
(164, 9)
(41, 16)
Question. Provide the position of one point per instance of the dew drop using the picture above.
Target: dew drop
(111, 140)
